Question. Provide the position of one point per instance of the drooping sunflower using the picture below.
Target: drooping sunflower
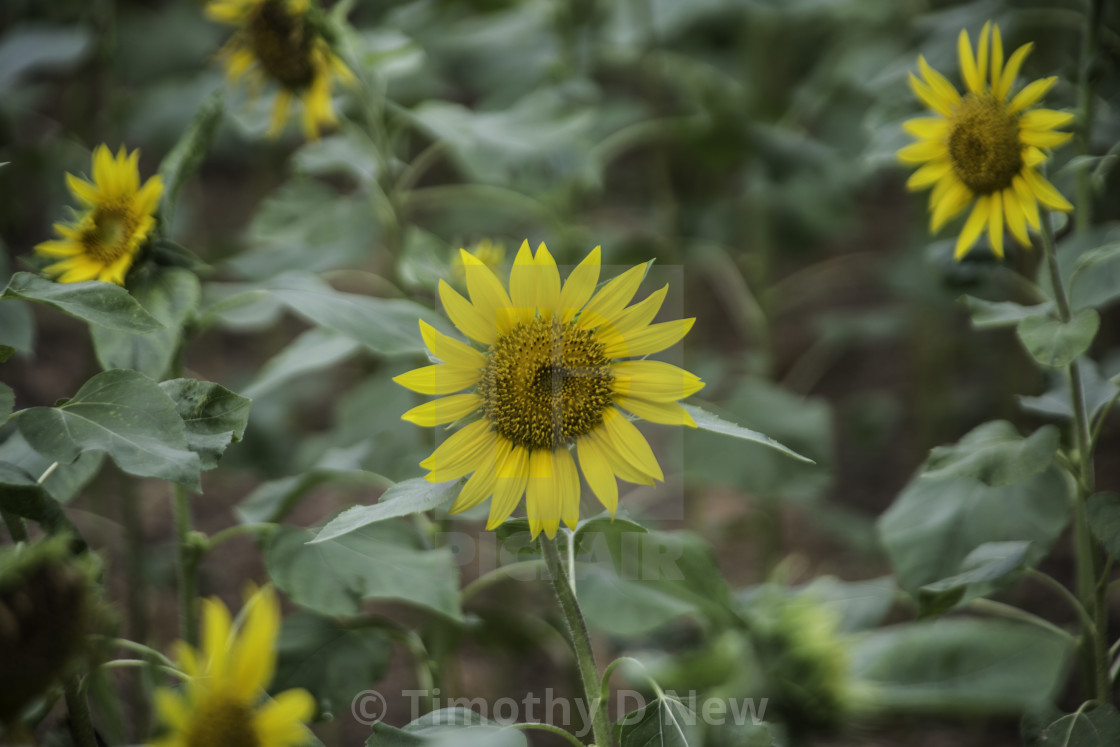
(562, 366)
(223, 701)
(983, 148)
(101, 244)
(276, 41)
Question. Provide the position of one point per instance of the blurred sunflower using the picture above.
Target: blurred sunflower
(275, 40)
(984, 147)
(554, 376)
(221, 702)
(102, 242)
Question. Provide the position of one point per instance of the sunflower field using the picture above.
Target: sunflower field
(544, 373)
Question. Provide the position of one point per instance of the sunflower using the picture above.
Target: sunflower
(557, 373)
(983, 146)
(276, 41)
(101, 244)
(221, 703)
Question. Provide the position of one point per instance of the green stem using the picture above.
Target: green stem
(81, 724)
(1083, 216)
(581, 642)
(188, 568)
(1089, 591)
(15, 525)
(1014, 613)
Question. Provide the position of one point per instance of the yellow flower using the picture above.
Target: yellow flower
(555, 375)
(102, 243)
(221, 702)
(982, 146)
(276, 41)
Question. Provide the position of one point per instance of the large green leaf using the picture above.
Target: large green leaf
(710, 422)
(664, 721)
(63, 480)
(993, 314)
(1055, 343)
(987, 569)
(17, 328)
(214, 416)
(938, 520)
(380, 561)
(187, 155)
(1104, 518)
(1055, 402)
(170, 295)
(995, 454)
(331, 659)
(408, 497)
(314, 350)
(21, 495)
(105, 304)
(961, 666)
(448, 727)
(1096, 727)
(124, 414)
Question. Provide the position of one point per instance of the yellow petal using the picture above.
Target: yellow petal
(509, 486)
(939, 85)
(630, 443)
(172, 709)
(438, 379)
(104, 169)
(952, 202)
(1041, 139)
(633, 318)
(216, 627)
(449, 350)
(1044, 119)
(445, 410)
(83, 190)
(1012, 70)
(567, 484)
(997, 55)
(1031, 94)
(542, 498)
(481, 484)
(1027, 201)
(467, 445)
(982, 56)
(487, 293)
(923, 150)
(253, 658)
(280, 721)
(612, 298)
(665, 413)
(59, 248)
(927, 96)
(1016, 221)
(928, 175)
(465, 316)
(597, 472)
(1045, 191)
(580, 285)
(968, 64)
(617, 462)
(1033, 157)
(654, 381)
(649, 340)
(147, 198)
(927, 127)
(522, 283)
(547, 281)
(995, 224)
(973, 226)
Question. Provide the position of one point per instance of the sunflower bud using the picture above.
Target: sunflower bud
(48, 605)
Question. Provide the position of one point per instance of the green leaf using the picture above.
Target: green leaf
(408, 497)
(1099, 727)
(987, 569)
(214, 417)
(64, 480)
(995, 454)
(7, 401)
(937, 521)
(6, 352)
(664, 722)
(349, 152)
(21, 495)
(271, 501)
(124, 414)
(1055, 402)
(1055, 343)
(860, 605)
(332, 660)
(448, 727)
(994, 314)
(314, 350)
(171, 296)
(1104, 520)
(380, 561)
(105, 304)
(185, 157)
(961, 666)
(709, 422)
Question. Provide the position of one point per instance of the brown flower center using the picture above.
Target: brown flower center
(107, 232)
(219, 721)
(984, 144)
(546, 384)
(281, 42)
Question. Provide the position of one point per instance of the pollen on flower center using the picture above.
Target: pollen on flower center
(222, 721)
(546, 384)
(282, 44)
(984, 144)
(106, 237)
